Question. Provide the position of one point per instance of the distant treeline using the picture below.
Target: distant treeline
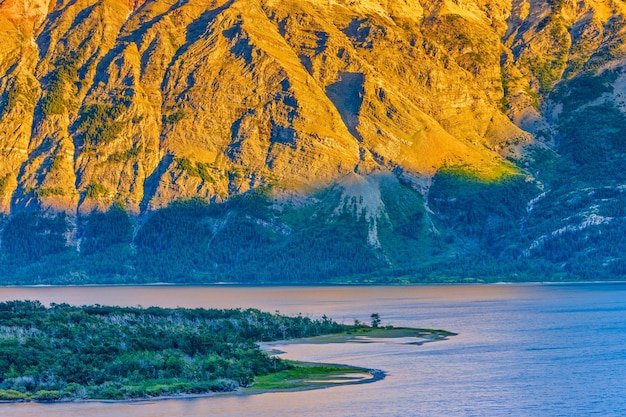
(67, 352)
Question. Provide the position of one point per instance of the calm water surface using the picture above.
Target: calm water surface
(522, 350)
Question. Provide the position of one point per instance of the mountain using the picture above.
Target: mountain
(258, 140)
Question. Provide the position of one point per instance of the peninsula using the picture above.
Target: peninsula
(68, 353)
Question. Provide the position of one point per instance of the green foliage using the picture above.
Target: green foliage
(239, 172)
(65, 73)
(120, 352)
(13, 395)
(243, 240)
(300, 375)
(180, 231)
(9, 102)
(592, 132)
(175, 117)
(487, 212)
(198, 169)
(103, 230)
(134, 152)
(583, 89)
(47, 395)
(50, 191)
(53, 102)
(547, 73)
(535, 98)
(4, 183)
(576, 229)
(105, 254)
(587, 254)
(593, 144)
(204, 172)
(55, 165)
(504, 101)
(19, 93)
(98, 125)
(187, 166)
(28, 237)
(549, 70)
(95, 190)
(314, 244)
(406, 235)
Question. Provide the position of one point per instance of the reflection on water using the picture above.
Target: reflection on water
(522, 350)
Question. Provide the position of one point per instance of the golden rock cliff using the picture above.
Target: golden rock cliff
(147, 102)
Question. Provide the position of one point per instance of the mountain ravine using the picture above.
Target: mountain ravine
(360, 141)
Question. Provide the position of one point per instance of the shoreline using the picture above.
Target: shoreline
(375, 375)
(333, 284)
(303, 375)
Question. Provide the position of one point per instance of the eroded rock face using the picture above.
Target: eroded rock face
(146, 102)
(28, 14)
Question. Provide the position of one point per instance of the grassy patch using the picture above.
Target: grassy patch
(126, 155)
(358, 333)
(308, 375)
(175, 117)
(50, 191)
(205, 171)
(95, 190)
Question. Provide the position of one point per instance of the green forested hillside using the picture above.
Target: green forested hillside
(464, 231)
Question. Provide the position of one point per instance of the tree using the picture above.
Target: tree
(375, 319)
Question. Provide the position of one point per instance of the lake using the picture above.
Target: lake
(522, 350)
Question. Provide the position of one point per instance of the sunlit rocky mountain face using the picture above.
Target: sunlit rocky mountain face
(312, 140)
